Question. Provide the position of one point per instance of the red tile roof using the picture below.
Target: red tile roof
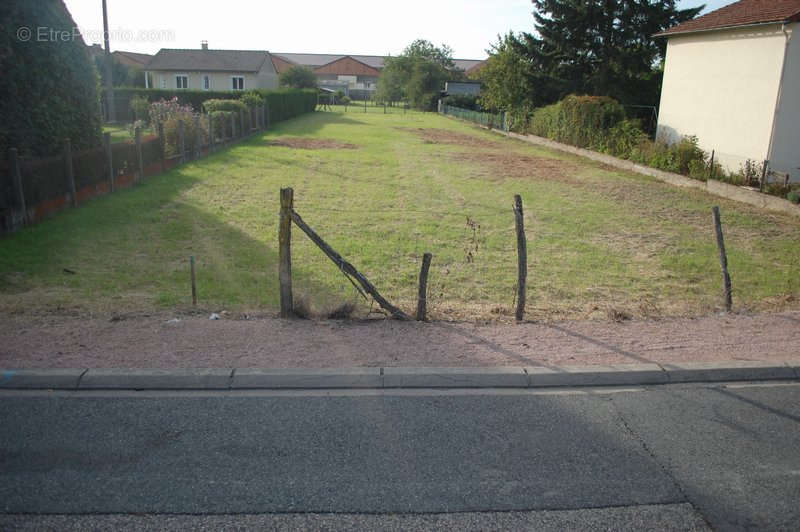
(742, 13)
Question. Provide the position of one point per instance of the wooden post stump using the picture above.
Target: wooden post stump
(522, 257)
(285, 252)
(422, 296)
(723, 260)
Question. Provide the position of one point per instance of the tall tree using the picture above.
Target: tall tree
(298, 77)
(602, 47)
(418, 74)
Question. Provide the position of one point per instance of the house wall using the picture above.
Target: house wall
(220, 81)
(722, 87)
(785, 154)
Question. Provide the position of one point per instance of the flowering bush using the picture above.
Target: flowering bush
(169, 113)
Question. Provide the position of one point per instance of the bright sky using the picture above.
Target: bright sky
(350, 27)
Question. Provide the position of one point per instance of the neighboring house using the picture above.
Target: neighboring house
(732, 78)
(131, 59)
(206, 69)
(355, 75)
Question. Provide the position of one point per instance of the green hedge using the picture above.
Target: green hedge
(283, 103)
(582, 121)
(48, 87)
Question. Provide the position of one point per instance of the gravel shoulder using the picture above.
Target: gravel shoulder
(169, 341)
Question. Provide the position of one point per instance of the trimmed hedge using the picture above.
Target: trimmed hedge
(48, 86)
(283, 103)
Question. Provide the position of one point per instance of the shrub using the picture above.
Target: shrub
(252, 99)
(169, 114)
(464, 101)
(140, 107)
(794, 196)
(224, 105)
(345, 100)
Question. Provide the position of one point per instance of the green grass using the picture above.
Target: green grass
(598, 239)
(119, 132)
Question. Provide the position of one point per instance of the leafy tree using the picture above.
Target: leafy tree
(509, 80)
(602, 47)
(418, 74)
(298, 77)
(49, 85)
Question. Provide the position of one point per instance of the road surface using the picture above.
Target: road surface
(662, 457)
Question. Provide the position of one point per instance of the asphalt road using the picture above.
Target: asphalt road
(661, 457)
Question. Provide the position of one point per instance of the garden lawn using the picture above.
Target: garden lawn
(601, 242)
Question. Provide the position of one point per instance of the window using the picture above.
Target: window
(206, 83)
(238, 83)
(181, 82)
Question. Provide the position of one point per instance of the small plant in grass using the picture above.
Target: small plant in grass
(794, 196)
(345, 100)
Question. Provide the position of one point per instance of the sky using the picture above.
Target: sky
(364, 27)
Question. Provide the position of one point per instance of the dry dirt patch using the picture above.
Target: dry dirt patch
(301, 143)
(445, 136)
(502, 165)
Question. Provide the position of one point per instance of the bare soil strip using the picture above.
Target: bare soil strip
(302, 143)
(170, 341)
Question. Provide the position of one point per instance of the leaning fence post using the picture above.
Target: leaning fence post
(181, 141)
(764, 171)
(723, 260)
(137, 133)
(522, 257)
(16, 174)
(285, 252)
(70, 171)
(422, 296)
(711, 165)
(109, 160)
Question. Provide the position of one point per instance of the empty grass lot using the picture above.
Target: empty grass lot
(383, 191)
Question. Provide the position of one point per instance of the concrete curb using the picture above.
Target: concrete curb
(396, 377)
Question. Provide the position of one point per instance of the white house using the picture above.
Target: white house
(204, 69)
(732, 78)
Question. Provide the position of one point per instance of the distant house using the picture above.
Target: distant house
(355, 75)
(469, 88)
(732, 78)
(207, 69)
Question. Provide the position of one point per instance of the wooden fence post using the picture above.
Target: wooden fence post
(137, 134)
(109, 160)
(522, 257)
(196, 143)
(162, 144)
(242, 130)
(181, 141)
(194, 283)
(266, 112)
(764, 171)
(711, 165)
(70, 171)
(233, 126)
(723, 260)
(210, 134)
(422, 295)
(16, 174)
(285, 252)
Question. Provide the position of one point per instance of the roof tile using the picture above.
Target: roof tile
(742, 13)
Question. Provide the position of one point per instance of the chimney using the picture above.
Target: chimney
(204, 45)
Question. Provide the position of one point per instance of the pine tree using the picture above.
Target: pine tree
(602, 47)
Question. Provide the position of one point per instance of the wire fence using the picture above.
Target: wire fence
(490, 120)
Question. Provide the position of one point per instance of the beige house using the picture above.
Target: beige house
(732, 78)
(204, 69)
